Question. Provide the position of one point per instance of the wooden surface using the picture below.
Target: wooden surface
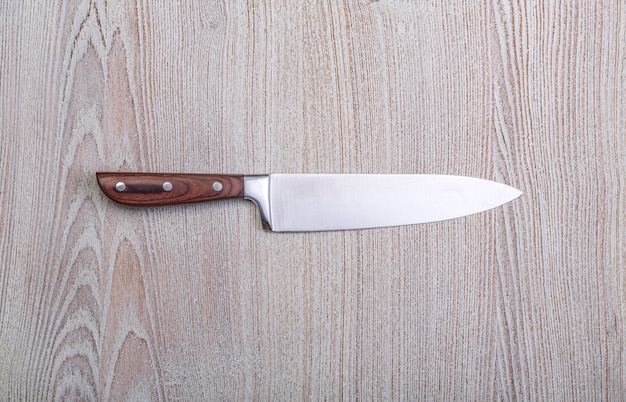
(104, 302)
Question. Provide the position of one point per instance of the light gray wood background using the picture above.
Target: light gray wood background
(99, 301)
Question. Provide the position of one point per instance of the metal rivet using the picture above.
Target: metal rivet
(120, 186)
(167, 186)
(217, 186)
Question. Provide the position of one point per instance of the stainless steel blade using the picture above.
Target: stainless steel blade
(322, 202)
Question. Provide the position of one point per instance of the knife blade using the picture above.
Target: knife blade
(319, 202)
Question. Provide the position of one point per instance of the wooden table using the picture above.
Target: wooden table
(100, 301)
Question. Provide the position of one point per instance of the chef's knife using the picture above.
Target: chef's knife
(319, 202)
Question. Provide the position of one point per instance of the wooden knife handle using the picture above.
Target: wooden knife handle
(150, 189)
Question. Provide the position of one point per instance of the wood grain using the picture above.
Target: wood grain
(525, 302)
(149, 189)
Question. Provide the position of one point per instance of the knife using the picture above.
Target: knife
(319, 202)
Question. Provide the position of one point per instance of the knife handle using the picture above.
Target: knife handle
(151, 189)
